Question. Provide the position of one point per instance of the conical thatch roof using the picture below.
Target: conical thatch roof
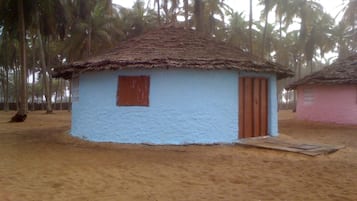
(343, 71)
(173, 47)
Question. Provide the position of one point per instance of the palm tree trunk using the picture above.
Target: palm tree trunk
(61, 93)
(70, 96)
(265, 28)
(309, 64)
(198, 15)
(4, 84)
(33, 80)
(33, 91)
(21, 114)
(185, 2)
(158, 12)
(56, 95)
(211, 23)
(43, 92)
(17, 85)
(280, 28)
(6, 91)
(164, 7)
(110, 7)
(90, 39)
(44, 67)
(50, 87)
(250, 26)
(299, 68)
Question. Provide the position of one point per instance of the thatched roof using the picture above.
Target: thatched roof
(173, 47)
(343, 71)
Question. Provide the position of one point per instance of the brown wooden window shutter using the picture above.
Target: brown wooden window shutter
(133, 91)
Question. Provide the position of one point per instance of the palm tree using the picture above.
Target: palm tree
(12, 20)
(43, 13)
(90, 29)
(347, 30)
(237, 33)
(285, 12)
(271, 40)
(170, 13)
(204, 16)
(344, 40)
(312, 21)
(135, 21)
(49, 21)
(8, 47)
(198, 14)
(158, 11)
(250, 26)
(319, 37)
(267, 8)
(218, 8)
(350, 15)
(186, 7)
(22, 112)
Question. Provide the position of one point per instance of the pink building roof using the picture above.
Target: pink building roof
(343, 71)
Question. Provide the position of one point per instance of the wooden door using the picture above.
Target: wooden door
(253, 107)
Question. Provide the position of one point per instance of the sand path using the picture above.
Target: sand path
(38, 161)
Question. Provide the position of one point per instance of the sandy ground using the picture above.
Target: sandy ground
(39, 162)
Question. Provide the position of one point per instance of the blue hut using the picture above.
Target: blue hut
(173, 86)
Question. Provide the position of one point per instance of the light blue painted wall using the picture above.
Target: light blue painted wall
(186, 106)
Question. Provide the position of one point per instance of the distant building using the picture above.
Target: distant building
(173, 86)
(329, 95)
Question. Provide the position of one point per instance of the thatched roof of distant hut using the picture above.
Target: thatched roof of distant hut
(343, 71)
(173, 47)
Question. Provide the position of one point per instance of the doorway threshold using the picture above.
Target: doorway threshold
(291, 145)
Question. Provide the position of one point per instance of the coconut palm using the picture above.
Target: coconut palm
(205, 16)
(8, 48)
(158, 11)
(22, 112)
(344, 40)
(213, 8)
(267, 8)
(237, 33)
(347, 31)
(270, 42)
(137, 20)
(91, 29)
(251, 26)
(13, 20)
(319, 37)
(198, 14)
(49, 22)
(170, 13)
(349, 15)
(186, 11)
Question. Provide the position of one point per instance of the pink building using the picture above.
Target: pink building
(329, 95)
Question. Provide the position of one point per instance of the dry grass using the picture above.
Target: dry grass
(40, 162)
